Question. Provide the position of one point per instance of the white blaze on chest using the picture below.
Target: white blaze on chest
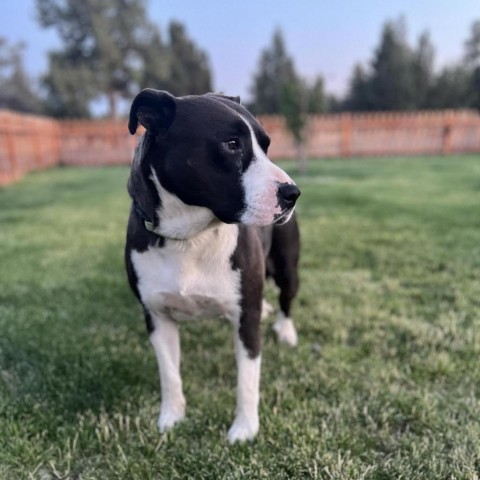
(191, 279)
(177, 219)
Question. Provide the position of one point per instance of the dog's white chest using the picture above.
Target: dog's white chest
(191, 279)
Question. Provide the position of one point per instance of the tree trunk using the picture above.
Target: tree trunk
(301, 157)
(112, 102)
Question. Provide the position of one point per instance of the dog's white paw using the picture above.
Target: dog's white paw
(267, 309)
(243, 428)
(286, 331)
(170, 415)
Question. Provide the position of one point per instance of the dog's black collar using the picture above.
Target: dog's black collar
(147, 221)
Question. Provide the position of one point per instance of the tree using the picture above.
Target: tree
(178, 65)
(358, 97)
(317, 100)
(472, 45)
(278, 89)
(275, 70)
(422, 71)
(452, 88)
(110, 49)
(399, 78)
(334, 103)
(156, 64)
(394, 75)
(100, 40)
(293, 108)
(189, 70)
(70, 87)
(475, 86)
(472, 60)
(16, 92)
(391, 83)
(458, 85)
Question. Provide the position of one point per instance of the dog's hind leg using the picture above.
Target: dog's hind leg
(267, 309)
(284, 255)
(166, 342)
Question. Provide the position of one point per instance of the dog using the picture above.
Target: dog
(211, 216)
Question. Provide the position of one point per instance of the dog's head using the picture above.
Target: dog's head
(210, 152)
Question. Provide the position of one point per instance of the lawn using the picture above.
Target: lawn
(385, 381)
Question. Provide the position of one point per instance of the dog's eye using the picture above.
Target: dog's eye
(233, 144)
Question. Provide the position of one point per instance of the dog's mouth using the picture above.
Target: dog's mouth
(283, 216)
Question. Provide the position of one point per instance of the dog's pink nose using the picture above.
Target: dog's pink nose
(288, 194)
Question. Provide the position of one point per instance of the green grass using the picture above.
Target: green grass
(385, 381)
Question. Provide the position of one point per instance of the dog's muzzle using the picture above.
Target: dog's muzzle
(287, 196)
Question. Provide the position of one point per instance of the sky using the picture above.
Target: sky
(326, 37)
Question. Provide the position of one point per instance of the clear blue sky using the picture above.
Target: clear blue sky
(323, 36)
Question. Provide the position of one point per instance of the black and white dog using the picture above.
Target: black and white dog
(202, 185)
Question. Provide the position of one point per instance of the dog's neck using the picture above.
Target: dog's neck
(177, 220)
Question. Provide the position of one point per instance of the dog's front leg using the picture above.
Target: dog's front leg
(166, 342)
(247, 349)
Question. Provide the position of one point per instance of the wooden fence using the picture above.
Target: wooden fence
(29, 142)
(99, 142)
(380, 134)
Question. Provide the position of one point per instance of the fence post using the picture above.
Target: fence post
(56, 140)
(37, 150)
(447, 136)
(346, 135)
(11, 154)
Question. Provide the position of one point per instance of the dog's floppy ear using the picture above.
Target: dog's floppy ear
(154, 109)
(141, 189)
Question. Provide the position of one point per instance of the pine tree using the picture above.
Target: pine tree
(278, 89)
(275, 70)
(472, 60)
(358, 96)
(399, 77)
(189, 69)
(422, 71)
(452, 88)
(317, 100)
(16, 92)
(391, 84)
